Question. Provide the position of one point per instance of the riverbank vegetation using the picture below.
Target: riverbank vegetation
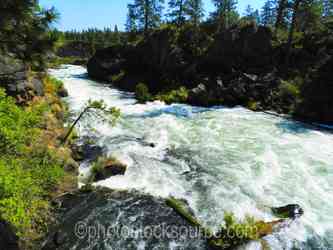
(265, 59)
(34, 166)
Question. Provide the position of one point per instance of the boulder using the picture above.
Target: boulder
(291, 211)
(8, 239)
(105, 168)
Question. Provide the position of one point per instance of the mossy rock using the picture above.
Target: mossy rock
(291, 211)
(105, 168)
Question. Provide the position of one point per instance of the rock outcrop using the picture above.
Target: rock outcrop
(238, 66)
(107, 219)
(15, 79)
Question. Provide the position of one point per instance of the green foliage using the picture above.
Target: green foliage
(225, 13)
(142, 93)
(97, 109)
(234, 234)
(289, 89)
(176, 12)
(144, 15)
(97, 38)
(29, 169)
(253, 105)
(179, 207)
(25, 30)
(174, 96)
(195, 11)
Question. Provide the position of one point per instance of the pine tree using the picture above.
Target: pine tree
(116, 39)
(282, 13)
(148, 13)
(177, 11)
(25, 28)
(251, 14)
(225, 13)
(256, 16)
(131, 22)
(309, 16)
(194, 10)
(268, 13)
(248, 11)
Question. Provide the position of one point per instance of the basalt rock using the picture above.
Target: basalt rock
(105, 168)
(8, 239)
(247, 49)
(109, 219)
(291, 211)
(14, 78)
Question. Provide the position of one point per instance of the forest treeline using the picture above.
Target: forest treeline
(146, 15)
(275, 58)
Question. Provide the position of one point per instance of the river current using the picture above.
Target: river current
(219, 159)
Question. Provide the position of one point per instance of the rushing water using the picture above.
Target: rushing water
(218, 159)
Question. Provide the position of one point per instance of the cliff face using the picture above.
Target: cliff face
(166, 58)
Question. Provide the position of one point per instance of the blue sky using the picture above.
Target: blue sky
(83, 14)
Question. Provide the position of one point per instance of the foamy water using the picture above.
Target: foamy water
(219, 159)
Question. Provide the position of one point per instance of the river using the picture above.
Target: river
(218, 159)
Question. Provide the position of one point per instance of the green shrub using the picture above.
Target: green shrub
(253, 105)
(142, 93)
(29, 168)
(174, 96)
(289, 94)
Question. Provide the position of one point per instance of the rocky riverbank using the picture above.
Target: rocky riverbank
(240, 66)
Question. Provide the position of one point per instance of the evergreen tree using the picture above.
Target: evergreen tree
(256, 16)
(248, 11)
(148, 13)
(282, 13)
(251, 14)
(225, 13)
(131, 22)
(177, 11)
(25, 30)
(194, 10)
(309, 16)
(116, 39)
(268, 13)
